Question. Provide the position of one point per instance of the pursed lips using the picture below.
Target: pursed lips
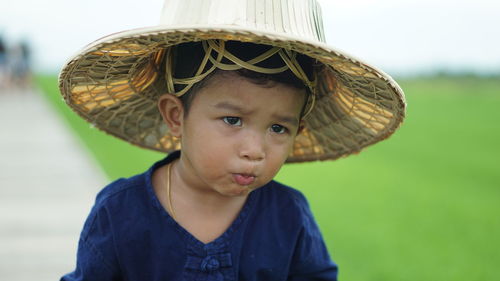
(244, 179)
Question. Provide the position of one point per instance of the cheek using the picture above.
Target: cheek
(214, 147)
(198, 136)
(206, 150)
(283, 147)
(276, 160)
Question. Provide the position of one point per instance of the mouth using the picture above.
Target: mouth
(244, 179)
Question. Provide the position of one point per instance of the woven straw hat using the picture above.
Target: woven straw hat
(115, 81)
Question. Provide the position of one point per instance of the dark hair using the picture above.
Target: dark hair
(187, 58)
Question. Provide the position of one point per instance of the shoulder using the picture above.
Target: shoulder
(294, 202)
(285, 202)
(282, 194)
(114, 198)
(121, 187)
(125, 188)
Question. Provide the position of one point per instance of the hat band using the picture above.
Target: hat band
(218, 46)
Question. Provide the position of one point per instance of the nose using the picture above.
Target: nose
(253, 147)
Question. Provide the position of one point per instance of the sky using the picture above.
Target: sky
(399, 36)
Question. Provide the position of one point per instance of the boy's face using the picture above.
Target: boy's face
(237, 134)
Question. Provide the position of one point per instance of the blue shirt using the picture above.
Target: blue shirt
(128, 235)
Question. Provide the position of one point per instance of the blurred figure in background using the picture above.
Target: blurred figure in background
(20, 64)
(15, 64)
(3, 63)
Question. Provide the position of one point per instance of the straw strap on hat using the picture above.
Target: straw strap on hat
(114, 82)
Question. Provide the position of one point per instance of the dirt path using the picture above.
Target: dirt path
(47, 187)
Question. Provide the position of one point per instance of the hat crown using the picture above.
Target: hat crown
(300, 18)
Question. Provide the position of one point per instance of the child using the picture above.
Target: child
(231, 90)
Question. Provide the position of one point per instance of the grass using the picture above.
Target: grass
(423, 205)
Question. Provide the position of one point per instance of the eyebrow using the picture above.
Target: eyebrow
(231, 107)
(287, 119)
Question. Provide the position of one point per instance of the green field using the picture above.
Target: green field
(423, 205)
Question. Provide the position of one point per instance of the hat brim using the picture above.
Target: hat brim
(115, 81)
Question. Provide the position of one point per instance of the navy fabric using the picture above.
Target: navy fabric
(129, 236)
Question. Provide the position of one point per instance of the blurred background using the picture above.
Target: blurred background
(422, 205)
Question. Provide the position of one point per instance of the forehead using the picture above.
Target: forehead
(232, 87)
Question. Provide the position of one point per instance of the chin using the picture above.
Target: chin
(238, 191)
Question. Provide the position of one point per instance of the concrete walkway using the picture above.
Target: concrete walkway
(47, 187)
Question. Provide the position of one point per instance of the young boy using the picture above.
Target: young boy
(230, 104)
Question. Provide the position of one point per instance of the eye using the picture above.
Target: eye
(233, 121)
(278, 129)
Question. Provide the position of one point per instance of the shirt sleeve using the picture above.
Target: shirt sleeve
(96, 259)
(311, 260)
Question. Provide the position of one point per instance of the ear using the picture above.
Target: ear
(172, 112)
